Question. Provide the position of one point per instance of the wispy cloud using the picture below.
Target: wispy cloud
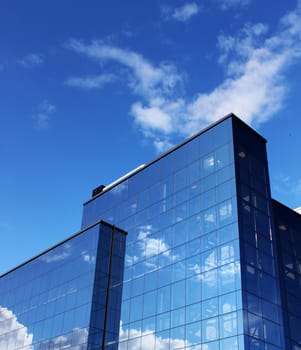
(182, 14)
(76, 336)
(254, 85)
(240, 47)
(31, 60)
(91, 82)
(145, 78)
(42, 115)
(151, 246)
(228, 4)
(162, 145)
(148, 247)
(55, 256)
(150, 340)
(152, 83)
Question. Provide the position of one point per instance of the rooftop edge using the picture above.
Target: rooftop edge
(143, 166)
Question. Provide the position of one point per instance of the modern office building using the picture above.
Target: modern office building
(68, 297)
(288, 234)
(186, 252)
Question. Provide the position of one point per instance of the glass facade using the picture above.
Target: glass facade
(59, 300)
(182, 279)
(199, 269)
(263, 324)
(288, 229)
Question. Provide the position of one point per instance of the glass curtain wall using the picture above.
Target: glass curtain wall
(51, 301)
(263, 325)
(288, 228)
(181, 286)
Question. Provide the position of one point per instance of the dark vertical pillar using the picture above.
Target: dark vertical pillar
(260, 278)
(288, 239)
(107, 292)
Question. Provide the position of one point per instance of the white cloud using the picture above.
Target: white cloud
(183, 13)
(145, 78)
(10, 323)
(42, 116)
(91, 82)
(54, 256)
(90, 259)
(31, 60)
(149, 247)
(196, 268)
(254, 86)
(130, 260)
(227, 4)
(241, 46)
(76, 340)
(152, 117)
(149, 340)
(152, 83)
(162, 144)
(255, 95)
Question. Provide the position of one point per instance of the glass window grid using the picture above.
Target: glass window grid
(287, 225)
(258, 250)
(97, 207)
(54, 306)
(135, 263)
(127, 191)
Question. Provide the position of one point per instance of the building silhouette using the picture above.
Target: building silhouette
(187, 252)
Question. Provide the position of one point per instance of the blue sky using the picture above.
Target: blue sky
(90, 90)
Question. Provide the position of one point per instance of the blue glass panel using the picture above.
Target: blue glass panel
(193, 332)
(208, 164)
(210, 329)
(193, 290)
(210, 308)
(149, 309)
(180, 179)
(163, 299)
(255, 325)
(268, 288)
(193, 312)
(272, 333)
(193, 266)
(178, 294)
(225, 174)
(227, 278)
(209, 260)
(206, 142)
(222, 156)
(270, 311)
(178, 334)
(136, 308)
(163, 321)
(194, 172)
(164, 276)
(228, 325)
(208, 199)
(254, 304)
(227, 303)
(229, 343)
(177, 318)
(209, 283)
(210, 220)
